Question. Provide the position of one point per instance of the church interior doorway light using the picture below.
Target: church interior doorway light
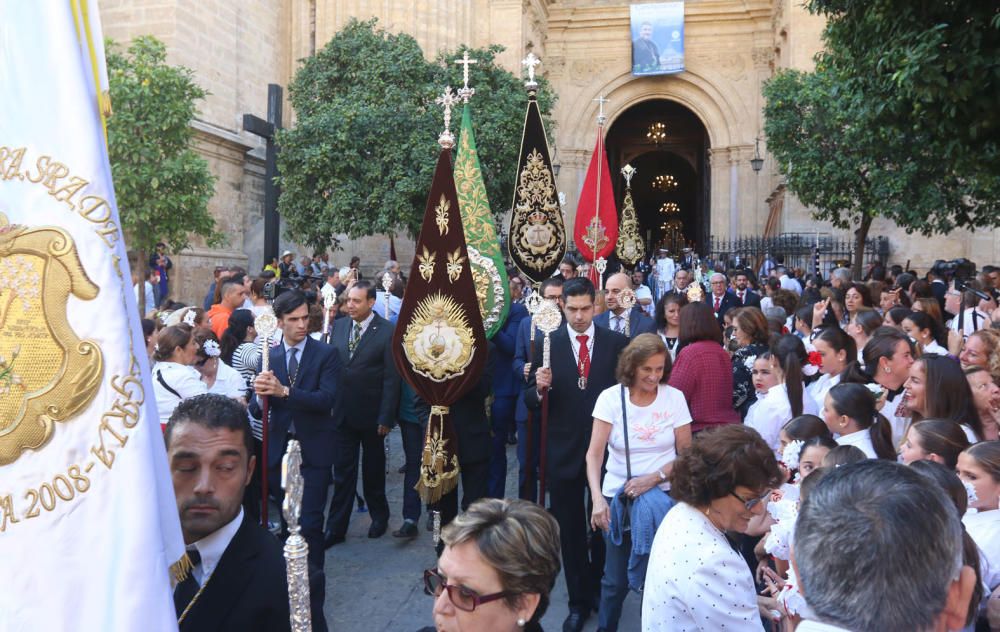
(667, 144)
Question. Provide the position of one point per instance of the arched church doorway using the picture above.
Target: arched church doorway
(667, 144)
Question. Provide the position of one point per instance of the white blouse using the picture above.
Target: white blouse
(772, 411)
(229, 382)
(935, 349)
(984, 527)
(183, 379)
(818, 389)
(899, 424)
(695, 580)
(862, 439)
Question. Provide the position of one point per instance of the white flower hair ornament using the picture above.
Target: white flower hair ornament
(875, 390)
(211, 349)
(189, 317)
(790, 455)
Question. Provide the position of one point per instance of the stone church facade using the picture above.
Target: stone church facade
(712, 110)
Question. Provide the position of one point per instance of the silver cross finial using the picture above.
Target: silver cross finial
(530, 62)
(601, 118)
(628, 171)
(465, 91)
(446, 100)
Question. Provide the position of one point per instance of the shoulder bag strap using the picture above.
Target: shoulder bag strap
(163, 383)
(628, 458)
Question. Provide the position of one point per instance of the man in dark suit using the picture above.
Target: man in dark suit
(551, 289)
(238, 580)
(507, 386)
(302, 386)
(364, 414)
(746, 296)
(583, 362)
(722, 299)
(614, 317)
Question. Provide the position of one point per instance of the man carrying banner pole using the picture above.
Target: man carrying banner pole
(87, 509)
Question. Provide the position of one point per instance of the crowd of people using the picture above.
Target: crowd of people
(720, 448)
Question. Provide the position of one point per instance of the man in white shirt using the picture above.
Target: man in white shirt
(238, 577)
(643, 295)
(876, 514)
(787, 282)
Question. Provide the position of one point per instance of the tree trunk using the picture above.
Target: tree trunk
(860, 235)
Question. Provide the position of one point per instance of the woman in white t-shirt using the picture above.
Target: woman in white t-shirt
(219, 377)
(658, 427)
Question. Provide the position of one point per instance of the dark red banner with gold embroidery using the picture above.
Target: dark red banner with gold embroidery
(596, 227)
(439, 343)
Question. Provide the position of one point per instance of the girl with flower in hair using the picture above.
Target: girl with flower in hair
(219, 377)
(785, 398)
(850, 412)
(979, 466)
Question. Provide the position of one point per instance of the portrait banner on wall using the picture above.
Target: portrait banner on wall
(657, 38)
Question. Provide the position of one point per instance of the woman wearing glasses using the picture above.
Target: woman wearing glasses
(500, 561)
(696, 579)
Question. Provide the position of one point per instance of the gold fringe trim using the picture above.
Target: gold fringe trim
(180, 569)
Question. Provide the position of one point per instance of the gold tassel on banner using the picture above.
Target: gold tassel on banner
(438, 469)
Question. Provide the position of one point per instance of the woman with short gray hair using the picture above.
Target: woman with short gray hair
(500, 561)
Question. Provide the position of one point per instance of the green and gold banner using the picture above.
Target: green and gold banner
(488, 272)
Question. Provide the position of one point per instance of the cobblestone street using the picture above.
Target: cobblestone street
(377, 586)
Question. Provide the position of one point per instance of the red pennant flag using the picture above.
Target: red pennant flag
(596, 228)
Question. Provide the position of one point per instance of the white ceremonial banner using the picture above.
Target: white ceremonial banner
(88, 522)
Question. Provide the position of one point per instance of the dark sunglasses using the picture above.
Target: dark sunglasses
(460, 596)
(753, 502)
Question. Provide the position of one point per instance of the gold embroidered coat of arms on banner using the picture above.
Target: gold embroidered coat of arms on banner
(47, 373)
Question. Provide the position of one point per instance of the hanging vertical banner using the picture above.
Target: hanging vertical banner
(657, 38)
(89, 529)
(488, 270)
(439, 344)
(536, 236)
(596, 228)
(630, 248)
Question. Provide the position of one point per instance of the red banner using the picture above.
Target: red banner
(596, 228)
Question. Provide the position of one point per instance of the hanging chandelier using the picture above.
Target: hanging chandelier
(664, 182)
(670, 208)
(656, 133)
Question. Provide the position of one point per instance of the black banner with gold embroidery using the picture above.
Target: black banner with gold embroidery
(439, 343)
(536, 236)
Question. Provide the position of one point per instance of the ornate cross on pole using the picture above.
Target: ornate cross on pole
(465, 91)
(446, 100)
(601, 118)
(530, 62)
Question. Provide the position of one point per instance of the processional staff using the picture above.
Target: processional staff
(329, 301)
(296, 548)
(532, 303)
(265, 324)
(549, 318)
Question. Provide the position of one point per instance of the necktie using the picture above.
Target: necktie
(619, 324)
(293, 365)
(741, 297)
(718, 302)
(355, 337)
(185, 591)
(583, 363)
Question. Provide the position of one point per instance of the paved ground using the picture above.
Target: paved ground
(377, 585)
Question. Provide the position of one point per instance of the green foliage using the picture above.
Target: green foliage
(361, 155)
(162, 186)
(931, 68)
(867, 134)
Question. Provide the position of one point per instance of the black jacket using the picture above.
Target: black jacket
(309, 404)
(571, 411)
(247, 591)
(368, 381)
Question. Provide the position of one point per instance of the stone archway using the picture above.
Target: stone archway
(729, 207)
